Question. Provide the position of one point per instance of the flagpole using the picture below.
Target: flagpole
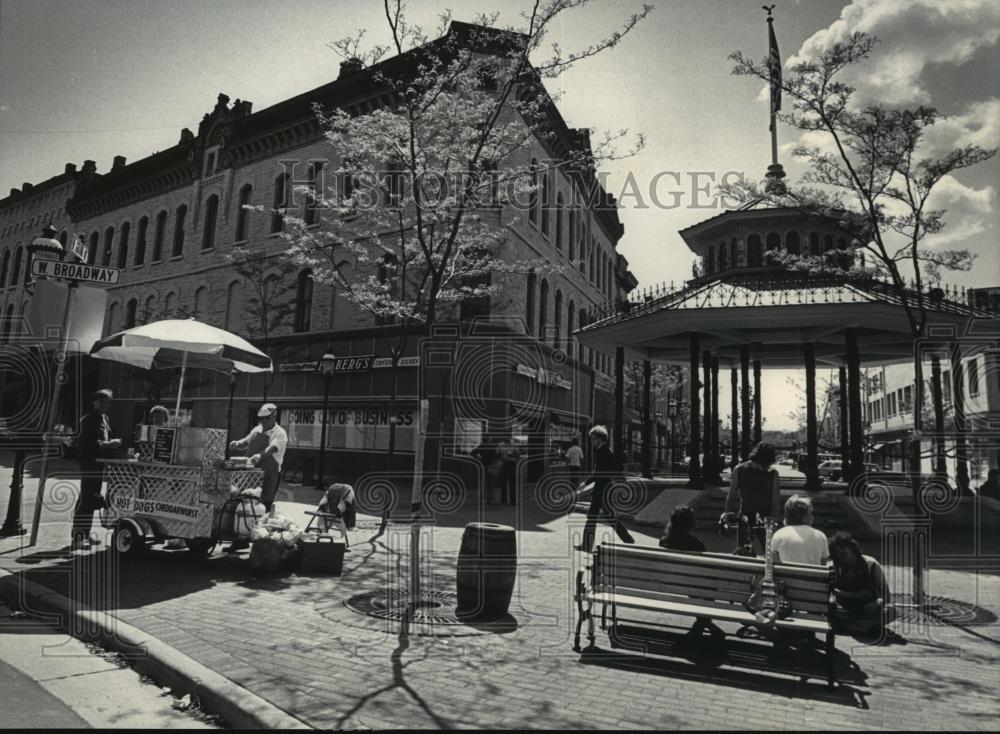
(775, 172)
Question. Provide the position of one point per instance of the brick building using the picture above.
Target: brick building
(170, 220)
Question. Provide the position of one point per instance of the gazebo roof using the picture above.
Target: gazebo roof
(777, 313)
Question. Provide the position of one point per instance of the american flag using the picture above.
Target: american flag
(774, 67)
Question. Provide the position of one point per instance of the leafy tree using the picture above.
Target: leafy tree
(417, 204)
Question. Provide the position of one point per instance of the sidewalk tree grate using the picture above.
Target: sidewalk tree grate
(433, 607)
(942, 611)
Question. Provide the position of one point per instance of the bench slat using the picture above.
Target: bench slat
(694, 610)
(695, 587)
(715, 560)
(721, 578)
(713, 602)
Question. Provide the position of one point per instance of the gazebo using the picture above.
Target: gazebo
(747, 310)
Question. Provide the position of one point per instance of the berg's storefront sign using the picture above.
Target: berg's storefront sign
(544, 377)
(352, 364)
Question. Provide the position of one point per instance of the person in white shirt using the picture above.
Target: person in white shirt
(266, 445)
(574, 461)
(798, 541)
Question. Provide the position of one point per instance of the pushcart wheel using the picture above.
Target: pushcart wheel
(200, 547)
(128, 540)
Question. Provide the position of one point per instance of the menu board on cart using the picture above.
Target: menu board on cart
(163, 445)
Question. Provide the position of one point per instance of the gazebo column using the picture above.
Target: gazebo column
(958, 403)
(734, 438)
(757, 413)
(812, 434)
(620, 405)
(716, 454)
(647, 377)
(854, 396)
(940, 465)
(707, 462)
(745, 400)
(694, 440)
(845, 442)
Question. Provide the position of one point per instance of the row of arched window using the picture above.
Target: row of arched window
(8, 314)
(582, 247)
(758, 250)
(538, 323)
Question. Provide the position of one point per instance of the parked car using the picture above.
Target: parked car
(63, 436)
(830, 469)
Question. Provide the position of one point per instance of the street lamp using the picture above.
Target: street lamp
(326, 366)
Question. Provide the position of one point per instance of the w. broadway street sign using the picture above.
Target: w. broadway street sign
(76, 271)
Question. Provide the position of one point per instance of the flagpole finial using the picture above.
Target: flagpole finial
(768, 8)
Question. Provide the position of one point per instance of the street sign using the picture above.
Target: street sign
(76, 271)
(79, 248)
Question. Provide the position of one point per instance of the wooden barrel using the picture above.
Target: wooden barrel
(487, 568)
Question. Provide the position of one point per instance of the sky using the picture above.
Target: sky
(93, 79)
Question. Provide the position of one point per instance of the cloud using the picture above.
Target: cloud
(915, 34)
(970, 212)
(978, 125)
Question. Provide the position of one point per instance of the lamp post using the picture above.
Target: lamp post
(326, 365)
(51, 248)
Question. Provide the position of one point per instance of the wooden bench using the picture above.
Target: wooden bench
(708, 585)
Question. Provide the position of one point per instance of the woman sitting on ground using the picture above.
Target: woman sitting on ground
(678, 532)
(863, 602)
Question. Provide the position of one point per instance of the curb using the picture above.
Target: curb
(238, 707)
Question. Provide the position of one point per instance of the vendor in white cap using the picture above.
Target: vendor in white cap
(265, 445)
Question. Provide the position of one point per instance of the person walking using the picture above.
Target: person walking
(266, 445)
(94, 441)
(606, 470)
(489, 456)
(574, 462)
(510, 455)
(755, 489)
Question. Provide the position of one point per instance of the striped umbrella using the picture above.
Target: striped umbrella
(182, 343)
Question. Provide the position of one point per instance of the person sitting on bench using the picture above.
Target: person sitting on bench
(799, 541)
(860, 589)
(678, 531)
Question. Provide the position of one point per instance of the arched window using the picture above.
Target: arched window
(559, 221)
(843, 257)
(734, 254)
(571, 235)
(109, 245)
(112, 319)
(723, 265)
(130, 314)
(582, 322)
(63, 238)
(303, 301)
(827, 243)
(149, 309)
(755, 254)
(710, 261)
(181, 215)
(159, 236)
(543, 308)
(95, 242)
(546, 200)
(773, 245)
(570, 314)
(231, 308)
(8, 322)
(243, 214)
(533, 199)
(123, 244)
(557, 314)
(4, 268)
(813, 244)
(170, 305)
(590, 265)
(15, 274)
(140, 241)
(312, 199)
(281, 201)
(209, 223)
(27, 272)
(793, 243)
(529, 304)
(200, 301)
(387, 274)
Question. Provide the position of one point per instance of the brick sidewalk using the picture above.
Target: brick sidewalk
(292, 641)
